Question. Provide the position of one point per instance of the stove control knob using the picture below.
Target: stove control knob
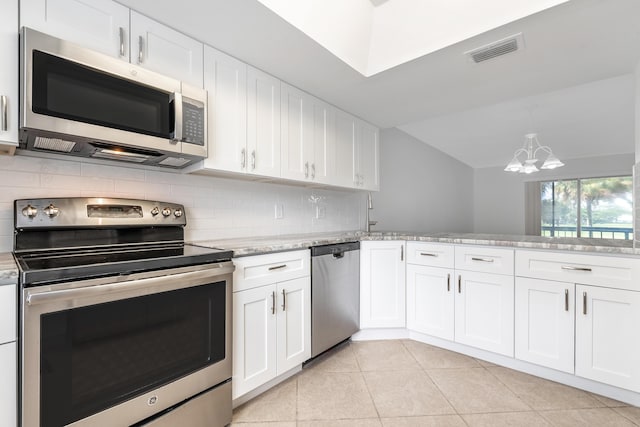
(178, 213)
(166, 212)
(51, 211)
(30, 211)
(155, 211)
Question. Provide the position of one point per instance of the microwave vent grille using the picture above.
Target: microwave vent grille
(174, 162)
(53, 144)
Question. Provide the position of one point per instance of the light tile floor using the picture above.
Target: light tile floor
(409, 384)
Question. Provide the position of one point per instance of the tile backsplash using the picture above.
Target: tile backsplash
(217, 208)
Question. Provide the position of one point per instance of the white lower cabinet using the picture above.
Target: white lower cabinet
(272, 321)
(8, 387)
(430, 300)
(607, 345)
(544, 323)
(382, 284)
(484, 311)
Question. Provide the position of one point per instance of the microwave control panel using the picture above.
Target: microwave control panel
(193, 119)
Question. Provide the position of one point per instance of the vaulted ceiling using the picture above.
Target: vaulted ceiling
(571, 83)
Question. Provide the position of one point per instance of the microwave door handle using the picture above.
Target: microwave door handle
(177, 105)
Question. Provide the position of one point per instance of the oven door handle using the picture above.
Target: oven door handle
(156, 284)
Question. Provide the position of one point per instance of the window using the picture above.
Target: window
(594, 207)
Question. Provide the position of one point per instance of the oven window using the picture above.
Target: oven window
(97, 356)
(65, 89)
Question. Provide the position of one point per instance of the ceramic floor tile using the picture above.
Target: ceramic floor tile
(388, 355)
(369, 422)
(341, 359)
(596, 417)
(267, 424)
(429, 421)
(476, 390)
(541, 394)
(629, 412)
(506, 419)
(610, 403)
(430, 357)
(328, 395)
(405, 393)
(277, 404)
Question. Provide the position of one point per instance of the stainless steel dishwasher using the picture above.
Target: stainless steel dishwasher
(335, 294)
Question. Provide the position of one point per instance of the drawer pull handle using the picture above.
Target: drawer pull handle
(482, 259)
(566, 300)
(584, 303)
(448, 282)
(428, 254)
(277, 267)
(572, 268)
(273, 302)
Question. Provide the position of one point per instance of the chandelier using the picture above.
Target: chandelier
(530, 149)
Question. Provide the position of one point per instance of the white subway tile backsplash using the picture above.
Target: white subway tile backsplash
(217, 208)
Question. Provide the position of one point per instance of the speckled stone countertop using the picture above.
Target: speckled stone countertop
(268, 244)
(8, 269)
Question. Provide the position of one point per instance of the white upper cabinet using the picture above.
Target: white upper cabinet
(164, 50)
(367, 165)
(308, 141)
(296, 114)
(225, 80)
(9, 77)
(345, 131)
(100, 25)
(263, 123)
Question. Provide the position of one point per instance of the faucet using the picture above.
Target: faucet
(369, 223)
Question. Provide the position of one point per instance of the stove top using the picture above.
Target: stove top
(47, 267)
(80, 238)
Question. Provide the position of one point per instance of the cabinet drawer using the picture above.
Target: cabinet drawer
(608, 271)
(8, 302)
(485, 260)
(253, 271)
(430, 254)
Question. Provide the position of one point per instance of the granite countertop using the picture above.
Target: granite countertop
(268, 244)
(8, 269)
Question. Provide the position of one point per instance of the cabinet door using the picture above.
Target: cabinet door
(323, 168)
(345, 131)
(382, 279)
(368, 152)
(484, 311)
(9, 77)
(101, 25)
(607, 345)
(8, 302)
(263, 123)
(254, 338)
(294, 323)
(166, 51)
(8, 387)
(297, 133)
(544, 323)
(430, 300)
(225, 80)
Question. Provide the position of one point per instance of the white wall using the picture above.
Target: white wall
(499, 203)
(215, 207)
(421, 188)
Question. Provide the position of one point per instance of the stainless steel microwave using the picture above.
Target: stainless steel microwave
(78, 102)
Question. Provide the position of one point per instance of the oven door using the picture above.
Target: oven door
(115, 351)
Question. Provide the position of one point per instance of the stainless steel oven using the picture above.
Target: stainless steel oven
(117, 334)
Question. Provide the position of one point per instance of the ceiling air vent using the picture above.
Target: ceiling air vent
(497, 48)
